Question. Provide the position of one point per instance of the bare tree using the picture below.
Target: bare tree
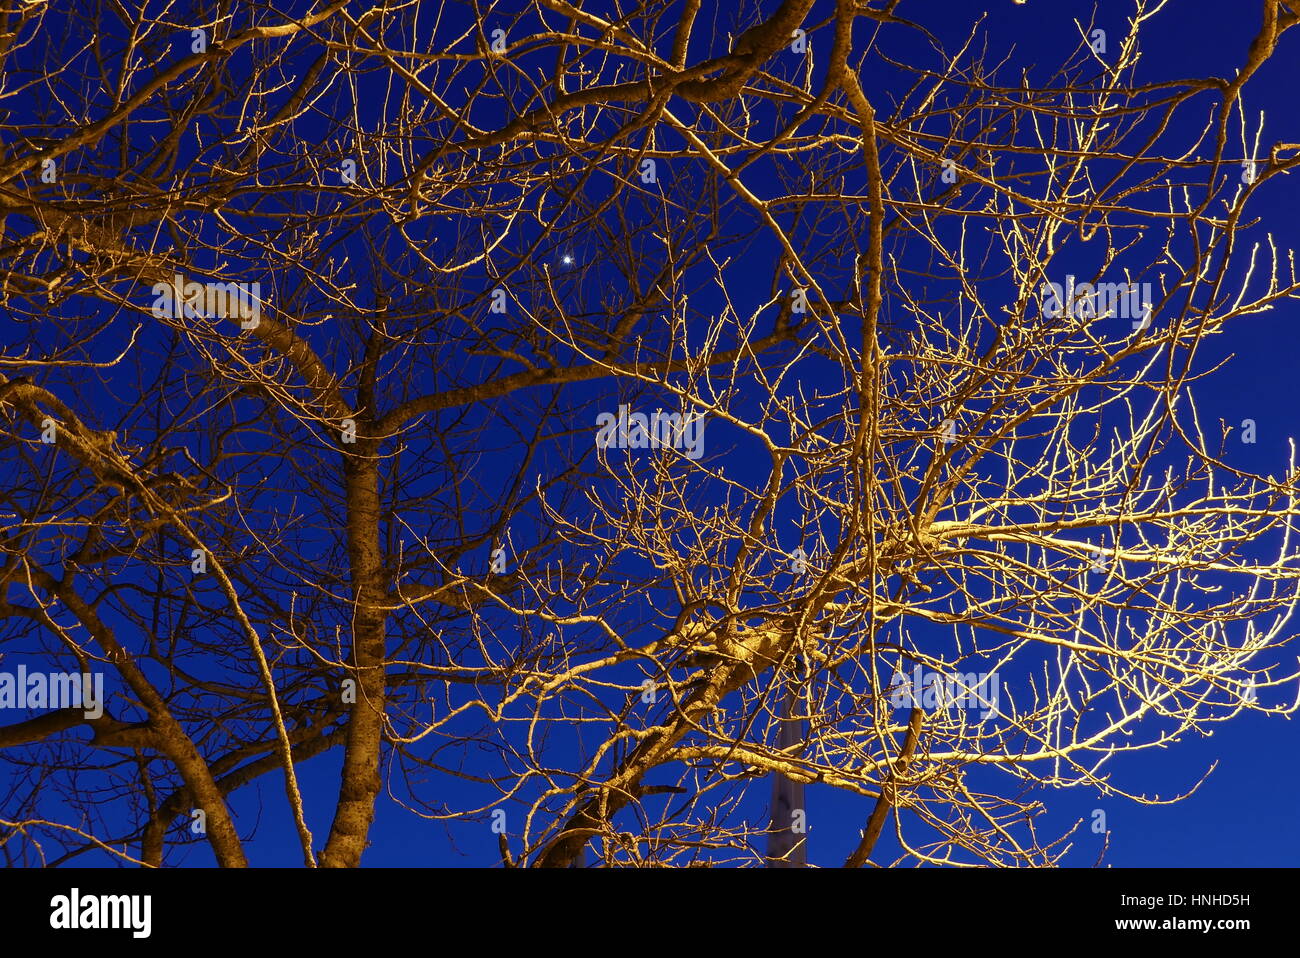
(550, 412)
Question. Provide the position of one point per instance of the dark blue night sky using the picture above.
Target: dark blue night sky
(453, 464)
